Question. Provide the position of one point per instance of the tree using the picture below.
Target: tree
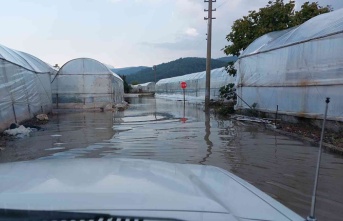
(308, 11)
(276, 16)
(127, 87)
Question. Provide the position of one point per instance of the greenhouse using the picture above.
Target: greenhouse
(136, 88)
(295, 69)
(24, 86)
(148, 87)
(86, 83)
(196, 83)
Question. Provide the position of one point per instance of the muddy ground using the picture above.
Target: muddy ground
(333, 140)
(313, 132)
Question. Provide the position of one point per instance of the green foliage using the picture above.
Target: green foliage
(253, 111)
(276, 16)
(230, 68)
(228, 92)
(135, 82)
(226, 110)
(127, 87)
(308, 11)
(175, 68)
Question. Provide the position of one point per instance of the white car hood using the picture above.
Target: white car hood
(130, 185)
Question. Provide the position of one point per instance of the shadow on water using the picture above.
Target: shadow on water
(207, 135)
(184, 133)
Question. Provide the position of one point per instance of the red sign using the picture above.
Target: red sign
(183, 85)
(183, 120)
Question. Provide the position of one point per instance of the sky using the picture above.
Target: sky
(121, 33)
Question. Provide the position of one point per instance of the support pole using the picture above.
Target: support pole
(277, 109)
(184, 96)
(15, 115)
(208, 56)
(313, 204)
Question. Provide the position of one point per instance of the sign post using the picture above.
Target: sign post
(183, 86)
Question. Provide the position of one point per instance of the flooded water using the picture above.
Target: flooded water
(166, 130)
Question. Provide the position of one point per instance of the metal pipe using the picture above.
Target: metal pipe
(277, 109)
(15, 116)
(313, 205)
(57, 100)
(243, 100)
(184, 96)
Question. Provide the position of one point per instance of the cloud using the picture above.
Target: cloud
(184, 44)
(192, 32)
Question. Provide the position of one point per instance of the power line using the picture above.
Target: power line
(222, 4)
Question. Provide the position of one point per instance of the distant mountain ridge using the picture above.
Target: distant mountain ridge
(228, 58)
(175, 68)
(128, 70)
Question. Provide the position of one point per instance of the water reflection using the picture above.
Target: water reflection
(207, 135)
(152, 129)
(184, 119)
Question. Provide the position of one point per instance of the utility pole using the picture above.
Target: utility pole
(208, 57)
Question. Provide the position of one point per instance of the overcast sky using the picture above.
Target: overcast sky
(120, 32)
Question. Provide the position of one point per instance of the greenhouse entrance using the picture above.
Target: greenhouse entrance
(164, 130)
(86, 83)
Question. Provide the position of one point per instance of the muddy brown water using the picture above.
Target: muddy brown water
(164, 130)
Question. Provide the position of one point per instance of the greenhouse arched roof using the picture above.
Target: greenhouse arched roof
(24, 60)
(147, 83)
(318, 27)
(86, 66)
(194, 76)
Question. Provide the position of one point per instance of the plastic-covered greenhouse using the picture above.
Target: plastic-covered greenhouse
(196, 84)
(136, 88)
(25, 87)
(86, 83)
(148, 87)
(296, 69)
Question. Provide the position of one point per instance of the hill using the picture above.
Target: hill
(128, 70)
(175, 68)
(228, 58)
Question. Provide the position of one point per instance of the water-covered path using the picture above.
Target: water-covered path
(164, 130)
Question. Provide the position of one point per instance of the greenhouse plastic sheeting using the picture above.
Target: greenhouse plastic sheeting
(196, 84)
(86, 83)
(148, 87)
(295, 69)
(24, 86)
(136, 88)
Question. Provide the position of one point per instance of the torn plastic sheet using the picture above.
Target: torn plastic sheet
(20, 131)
